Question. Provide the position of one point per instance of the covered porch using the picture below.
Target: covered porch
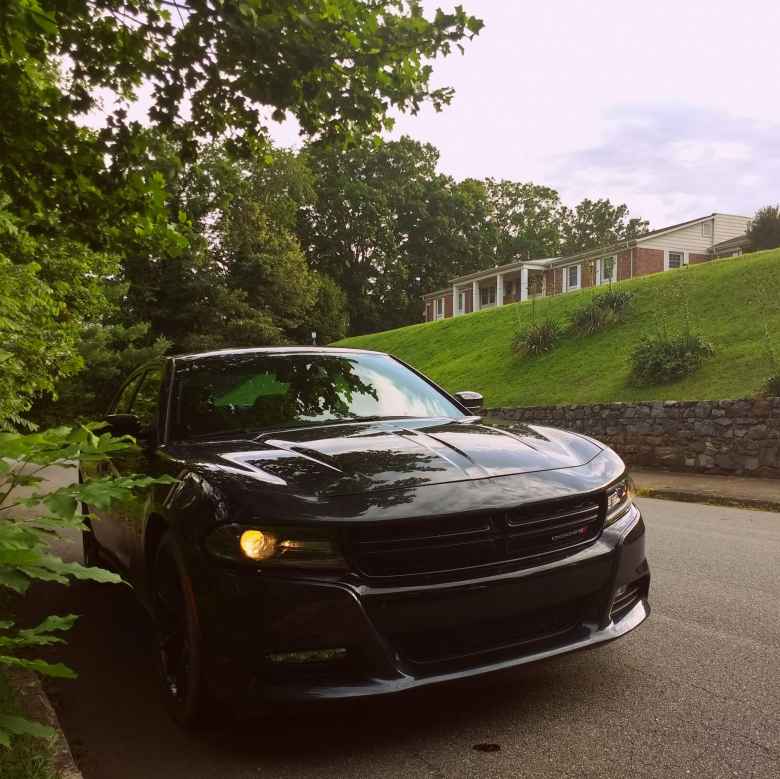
(507, 284)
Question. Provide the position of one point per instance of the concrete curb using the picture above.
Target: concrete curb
(35, 705)
(712, 500)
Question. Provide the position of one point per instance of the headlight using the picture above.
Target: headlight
(275, 546)
(619, 500)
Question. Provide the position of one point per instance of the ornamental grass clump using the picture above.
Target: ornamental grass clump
(538, 338)
(603, 310)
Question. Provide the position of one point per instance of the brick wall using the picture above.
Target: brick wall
(448, 305)
(624, 266)
(719, 436)
(588, 274)
(695, 259)
(648, 261)
(469, 301)
(553, 280)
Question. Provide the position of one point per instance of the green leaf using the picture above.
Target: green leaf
(56, 670)
(19, 726)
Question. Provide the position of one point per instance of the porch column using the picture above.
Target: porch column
(455, 311)
(523, 283)
(475, 296)
(499, 289)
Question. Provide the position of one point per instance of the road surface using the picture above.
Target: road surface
(694, 691)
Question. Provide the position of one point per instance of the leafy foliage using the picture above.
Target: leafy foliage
(595, 223)
(538, 338)
(764, 231)
(30, 514)
(336, 65)
(602, 310)
(386, 227)
(665, 358)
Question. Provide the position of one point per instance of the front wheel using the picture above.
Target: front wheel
(179, 644)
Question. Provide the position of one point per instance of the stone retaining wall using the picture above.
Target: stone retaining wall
(717, 436)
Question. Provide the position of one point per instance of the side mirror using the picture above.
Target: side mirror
(473, 401)
(124, 424)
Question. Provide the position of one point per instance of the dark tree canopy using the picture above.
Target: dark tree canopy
(764, 230)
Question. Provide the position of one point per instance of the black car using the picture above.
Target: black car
(340, 526)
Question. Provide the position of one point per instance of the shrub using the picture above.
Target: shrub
(614, 299)
(591, 318)
(538, 338)
(604, 309)
(772, 387)
(664, 358)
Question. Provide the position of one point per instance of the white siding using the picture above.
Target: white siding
(685, 239)
(729, 226)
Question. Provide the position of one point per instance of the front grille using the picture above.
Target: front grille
(520, 536)
(460, 642)
(626, 601)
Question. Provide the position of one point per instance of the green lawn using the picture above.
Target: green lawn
(731, 301)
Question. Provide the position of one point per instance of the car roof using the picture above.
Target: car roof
(272, 350)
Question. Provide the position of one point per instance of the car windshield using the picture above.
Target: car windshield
(257, 391)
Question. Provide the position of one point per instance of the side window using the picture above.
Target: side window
(127, 396)
(147, 399)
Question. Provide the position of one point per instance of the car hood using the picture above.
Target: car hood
(361, 458)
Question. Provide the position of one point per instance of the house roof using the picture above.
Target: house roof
(437, 294)
(510, 266)
(739, 242)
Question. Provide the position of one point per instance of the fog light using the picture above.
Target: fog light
(308, 656)
(257, 545)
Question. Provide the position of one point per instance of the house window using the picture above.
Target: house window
(675, 259)
(508, 287)
(487, 296)
(706, 229)
(461, 301)
(440, 308)
(608, 270)
(573, 276)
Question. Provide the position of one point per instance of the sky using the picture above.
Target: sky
(670, 107)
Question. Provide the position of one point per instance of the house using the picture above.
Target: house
(670, 248)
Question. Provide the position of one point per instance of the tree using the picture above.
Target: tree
(387, 227)
(328, 318)
(338, 66)
(527, 219)
(595, 223)
(764, 230)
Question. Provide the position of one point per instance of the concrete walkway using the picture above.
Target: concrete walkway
(763, 494)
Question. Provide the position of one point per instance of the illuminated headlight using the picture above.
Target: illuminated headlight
(619, 499)
(275, 546)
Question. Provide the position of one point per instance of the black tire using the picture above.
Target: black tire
(180, 657)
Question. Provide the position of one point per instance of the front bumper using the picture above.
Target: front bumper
(398, 638)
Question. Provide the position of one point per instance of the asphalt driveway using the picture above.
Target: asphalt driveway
(695, 691)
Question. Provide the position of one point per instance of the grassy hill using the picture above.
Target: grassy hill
(731, 301)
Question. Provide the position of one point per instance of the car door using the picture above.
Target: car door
(131, 513)
(107, 525)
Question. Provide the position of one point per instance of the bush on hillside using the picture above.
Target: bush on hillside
(771, 388)
(537, 338)
(666, 358)
(604, 309)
